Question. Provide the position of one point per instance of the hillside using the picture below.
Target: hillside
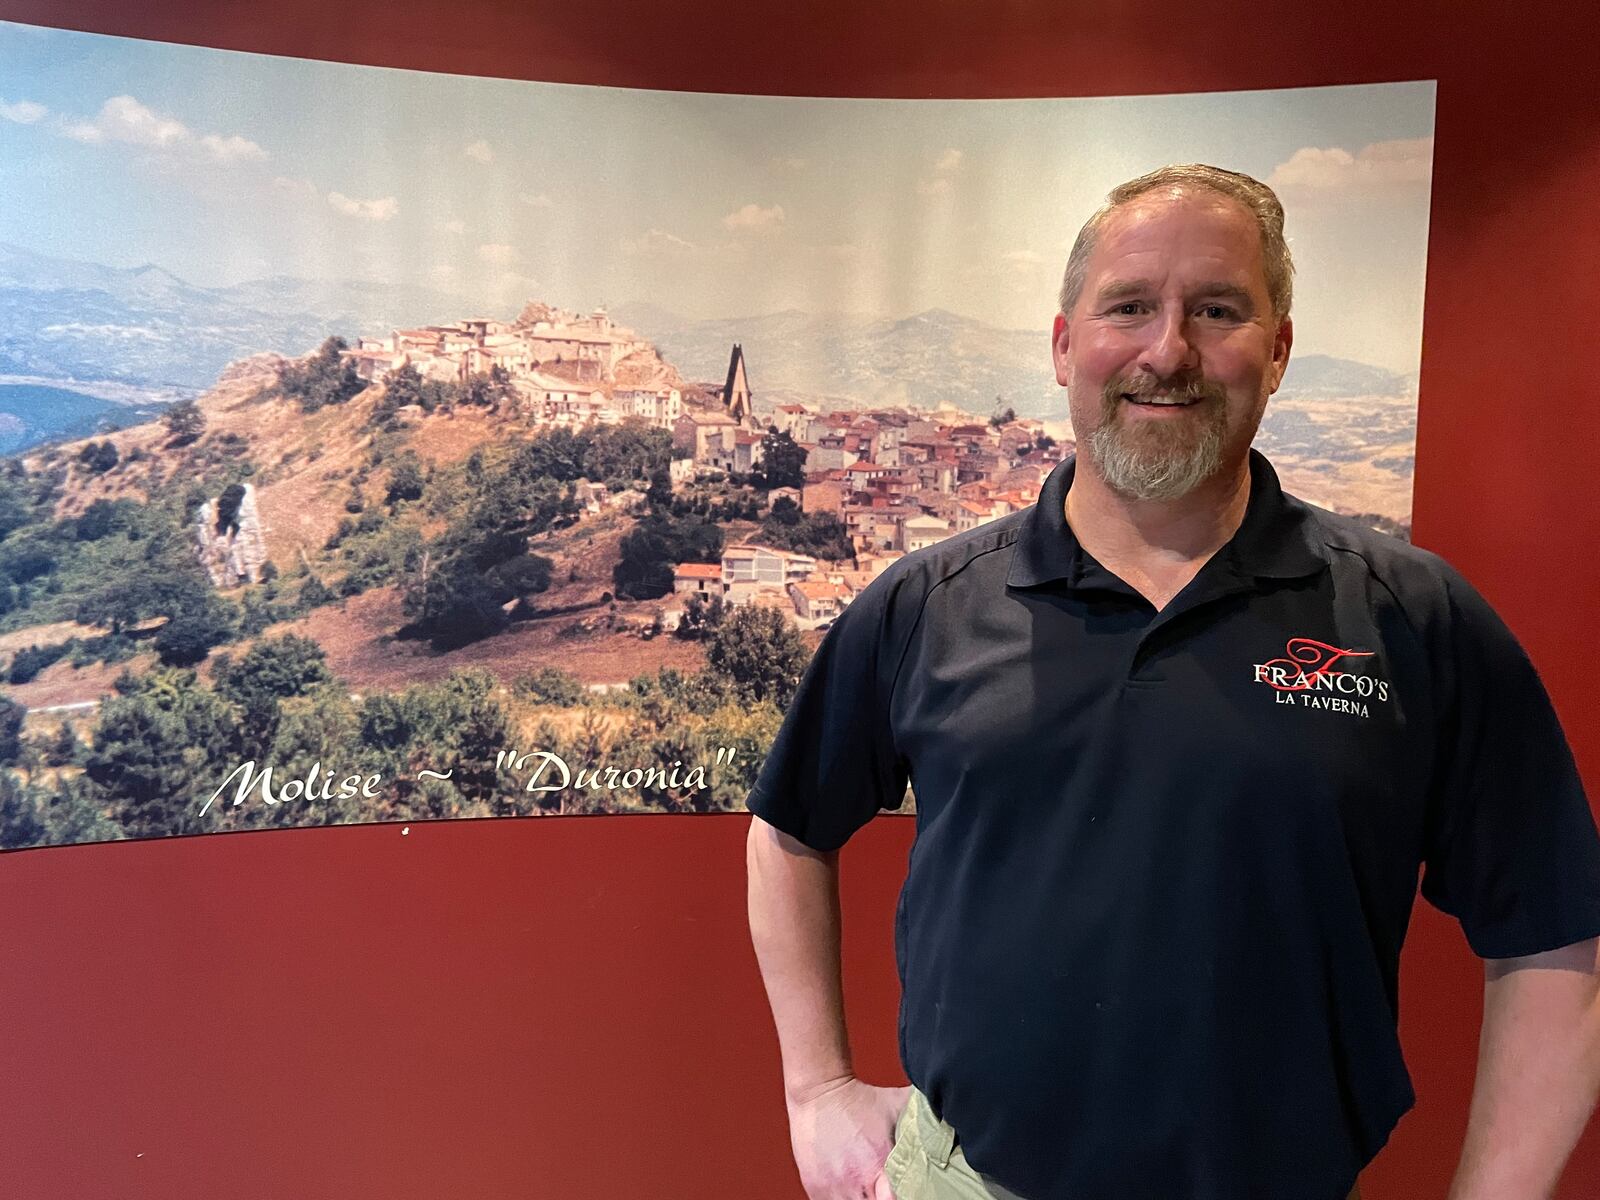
(321, 482)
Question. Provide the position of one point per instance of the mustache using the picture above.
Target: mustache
(1195, 388)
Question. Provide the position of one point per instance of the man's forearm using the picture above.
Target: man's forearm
(794, 924)
(1538, 1073)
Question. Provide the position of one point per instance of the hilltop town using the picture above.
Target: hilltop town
(896, 478)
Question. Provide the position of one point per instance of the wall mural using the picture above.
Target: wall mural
(389, 446)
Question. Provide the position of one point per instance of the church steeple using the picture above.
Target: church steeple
(736, 399)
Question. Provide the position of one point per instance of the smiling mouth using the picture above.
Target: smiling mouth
(1159, 401)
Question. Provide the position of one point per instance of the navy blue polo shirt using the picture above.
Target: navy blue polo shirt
(1164, 862)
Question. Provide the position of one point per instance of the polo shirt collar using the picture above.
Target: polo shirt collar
(1277, 539)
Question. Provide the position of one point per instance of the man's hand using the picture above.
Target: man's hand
(842, 1133)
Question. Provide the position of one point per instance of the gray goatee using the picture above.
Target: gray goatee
(1159, 459)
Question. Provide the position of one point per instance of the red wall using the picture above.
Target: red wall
(571, 1008)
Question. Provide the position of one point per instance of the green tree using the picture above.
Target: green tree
(560, 454)
(405, 479)
(320, 728)
(16, 501)
(401, 387)
(64, 749)
(98, 457)
(655, 546)
(199, 622)
(822, 535)
(701, 615)
(103, 518)
(454, 728)
(185, 422)
(273, 670)
(12, 714)
(783, 460)
(20, 824)
(631, 449)
(759, 651)
(324, 377)
(160, 749)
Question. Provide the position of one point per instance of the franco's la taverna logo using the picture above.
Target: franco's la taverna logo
(1314, 674)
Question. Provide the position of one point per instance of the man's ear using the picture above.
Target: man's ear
(1058, 349)
(1280, 351)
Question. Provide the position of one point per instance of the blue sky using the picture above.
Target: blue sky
(223, 167)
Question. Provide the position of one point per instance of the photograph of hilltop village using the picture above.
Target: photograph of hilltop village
(384, 446)
(474, 568)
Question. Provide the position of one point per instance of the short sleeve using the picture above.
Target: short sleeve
(833, 763)
(1512, 851)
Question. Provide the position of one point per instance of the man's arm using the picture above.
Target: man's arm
(1538, 1073)
(794, 923)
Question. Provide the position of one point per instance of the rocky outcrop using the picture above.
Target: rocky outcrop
(235, 553)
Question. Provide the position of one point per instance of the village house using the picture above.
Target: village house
(874, 562)
(825, 493)
(550, 400)
(590, 346)
(703, 579)
(660, 406)
(680, 471)
(970, 514)
(703, 433)
(917, 532)
(749, 569)
(792, 419)
(817, 600)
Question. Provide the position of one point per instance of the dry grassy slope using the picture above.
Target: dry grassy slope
(303, 460)
(303, 467)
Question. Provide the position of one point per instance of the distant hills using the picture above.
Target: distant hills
(68, 320)
(78, 325)
(932, 358)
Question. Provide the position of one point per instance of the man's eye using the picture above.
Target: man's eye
(1128, 307)
(1217, 312)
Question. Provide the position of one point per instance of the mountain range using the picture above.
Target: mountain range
(141, 337)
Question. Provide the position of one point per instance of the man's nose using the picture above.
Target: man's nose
(1169, 350)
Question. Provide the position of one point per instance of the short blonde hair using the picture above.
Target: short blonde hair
(1260, 200)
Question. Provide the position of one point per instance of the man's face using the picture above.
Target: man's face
(1174, 307)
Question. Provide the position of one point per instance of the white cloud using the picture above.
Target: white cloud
(479, 151)
(949, 162)
(932, 187)
(788, 163)
(368, 210)
(443, 270)
(657, 241)
(842, 251)
(456, 226)
(539, 201)
(498, 253)
(233, 149)
(125, 119)
(1023, 261)
(23, 112)
(1314, 171)
(753, 216)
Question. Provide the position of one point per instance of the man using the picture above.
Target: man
(1180, 744)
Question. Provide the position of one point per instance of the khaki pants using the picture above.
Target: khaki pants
(928, 1164)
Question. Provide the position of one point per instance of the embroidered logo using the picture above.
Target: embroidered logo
(1314, 674)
